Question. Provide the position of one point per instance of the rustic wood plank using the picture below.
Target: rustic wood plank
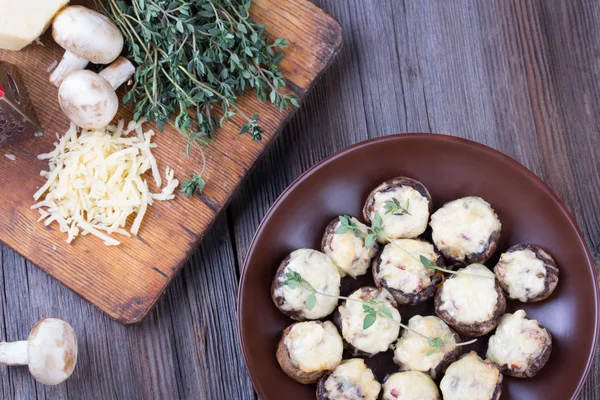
(127, 280)
(521, 77)
(186, 349)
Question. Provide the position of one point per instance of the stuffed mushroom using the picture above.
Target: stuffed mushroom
(527, 273)
(404, 205)
(414, 353)
(466, 230)
(471, 301)
(348, 250)
(351, 380)
(398, 269)
(520, 346)
(378, 336)
(320, 272)
(410, 385)
(307, 350)
(471, 378)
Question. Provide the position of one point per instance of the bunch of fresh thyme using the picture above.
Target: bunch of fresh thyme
(371, 308)
(193, 56)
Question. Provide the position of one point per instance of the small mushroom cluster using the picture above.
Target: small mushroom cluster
(50, 351)
(88, 98)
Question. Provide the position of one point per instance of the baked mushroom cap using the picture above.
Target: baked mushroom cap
(410, 218)
(398, 269)
(413, 352)
(471, 378)
(307, 350)
(351, 380)
(527, 273)
(471, 302)
(348, 250)
(318, 270)
(410, 385)
(466, 230)
(350, 316)
(520, 346)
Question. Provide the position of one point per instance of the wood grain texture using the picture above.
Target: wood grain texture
(489, 71)
(126, 281)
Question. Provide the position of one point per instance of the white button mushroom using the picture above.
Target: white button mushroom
(86, 35)
(89, 99)
(50, 351)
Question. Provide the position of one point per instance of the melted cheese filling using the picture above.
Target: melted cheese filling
(469, 298)
(95, 181)
(400, 266)
(463, 226)
(517, 342)
(522, 273)
(410, 385)
(352, 380)
(349, 253)
(314, 346)
(406, 225)
(318, 270)
(469, 379)
(411, 348)
(377, 337)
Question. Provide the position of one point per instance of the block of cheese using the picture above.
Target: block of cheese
(23, 21)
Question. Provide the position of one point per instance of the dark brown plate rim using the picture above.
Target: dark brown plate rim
(431, 136)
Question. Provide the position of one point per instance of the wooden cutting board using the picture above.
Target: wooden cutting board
(126, 281)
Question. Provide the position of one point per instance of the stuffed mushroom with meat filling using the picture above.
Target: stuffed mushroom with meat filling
(351, 380)
(404, 205)
(466, 230)
(471, 301)
(520, 346)
(414, 353)
(348, 250)
(350, 318)
(320, 272)
(307, 350)
(398, 269)
(527, 273)
(471, 378)
(410, 385)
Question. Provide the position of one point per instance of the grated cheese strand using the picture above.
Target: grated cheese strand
(95, 181)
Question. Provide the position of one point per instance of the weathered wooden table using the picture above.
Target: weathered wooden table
(520, 76)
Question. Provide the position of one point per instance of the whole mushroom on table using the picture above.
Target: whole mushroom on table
(50, 351)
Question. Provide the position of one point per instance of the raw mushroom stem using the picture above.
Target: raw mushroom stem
(14, 353)
(69, 63)
(118, 72)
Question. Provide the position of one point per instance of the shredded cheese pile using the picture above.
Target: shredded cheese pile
(95, 181)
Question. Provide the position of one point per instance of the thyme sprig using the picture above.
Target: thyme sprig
(372, 309)
(394, 207)
(194, 59)
(375, 231)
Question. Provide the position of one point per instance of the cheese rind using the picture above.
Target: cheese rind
(21, 22)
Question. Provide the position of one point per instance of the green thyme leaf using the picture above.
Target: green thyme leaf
(310, 302)
(190, 186)
(386, 311)
(370, 240)
(369, 321)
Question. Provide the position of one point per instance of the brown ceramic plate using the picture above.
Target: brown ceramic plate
(450, 168)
